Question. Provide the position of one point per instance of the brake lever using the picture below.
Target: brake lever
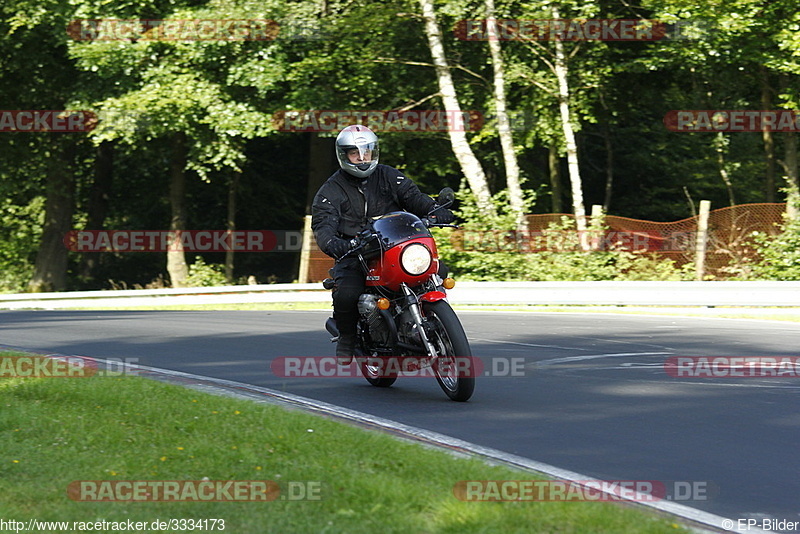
(430, 223)
(358, 242)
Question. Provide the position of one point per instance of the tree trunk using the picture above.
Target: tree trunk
(470, 165)
(609, 168)
(569, 137)
(230, 224)
(793, 183)
(766, 135)
(503, 125)
(97, 208)
(789, 162)
(50, 269)
(176, 258)
(555, 178)
(723, 170)
(790, 157)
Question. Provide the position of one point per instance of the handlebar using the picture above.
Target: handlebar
(359, 241)
(430, 223)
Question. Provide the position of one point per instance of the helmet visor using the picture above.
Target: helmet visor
(361, 154)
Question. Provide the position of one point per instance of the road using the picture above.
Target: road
(593, 396)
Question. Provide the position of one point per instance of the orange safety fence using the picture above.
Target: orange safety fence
(729, 242)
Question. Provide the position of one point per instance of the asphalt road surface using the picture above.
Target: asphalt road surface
(590, 392)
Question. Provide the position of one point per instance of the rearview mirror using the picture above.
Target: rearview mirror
(446, 197)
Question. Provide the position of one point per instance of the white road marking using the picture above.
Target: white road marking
(598, 356)
(526, 344)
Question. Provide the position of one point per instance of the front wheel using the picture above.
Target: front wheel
(454, 367)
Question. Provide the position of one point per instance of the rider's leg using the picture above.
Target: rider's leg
(349, 279)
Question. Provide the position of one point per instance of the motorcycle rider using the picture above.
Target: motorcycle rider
(361, 189)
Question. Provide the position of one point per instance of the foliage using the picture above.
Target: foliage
(359, 55)
(779, 255)
(202, 274)
(20, 226)
(493, 248)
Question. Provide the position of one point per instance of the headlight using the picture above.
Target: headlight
(416, 259)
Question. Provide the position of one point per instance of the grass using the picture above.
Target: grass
(57, 431)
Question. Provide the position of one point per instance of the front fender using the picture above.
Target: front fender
(433, 296)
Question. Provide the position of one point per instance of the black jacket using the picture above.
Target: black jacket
(344, 203)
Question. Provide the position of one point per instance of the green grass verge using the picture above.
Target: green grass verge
(57, 431)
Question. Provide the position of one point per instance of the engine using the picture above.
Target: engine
(378, 329)
(408, 330)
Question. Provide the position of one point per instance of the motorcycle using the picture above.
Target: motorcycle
(406, 324)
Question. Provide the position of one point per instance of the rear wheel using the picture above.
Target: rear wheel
(454, 367)
(373, 367)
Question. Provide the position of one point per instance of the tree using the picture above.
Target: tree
(50, 161)
(179, 95)
(561, 70)
(473, 171)
(552, 56)
(751, 48)
(503, 125)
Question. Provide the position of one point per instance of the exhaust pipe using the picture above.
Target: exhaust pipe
(330, 326)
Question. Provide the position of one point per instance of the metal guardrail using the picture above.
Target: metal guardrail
(783, 294)
(630, 293)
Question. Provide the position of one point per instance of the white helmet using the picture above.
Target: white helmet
(364, 140)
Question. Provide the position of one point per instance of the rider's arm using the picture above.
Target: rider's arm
(324, 220)
(410, 197)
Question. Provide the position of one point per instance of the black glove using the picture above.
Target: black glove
(443, 215)
(338, 247)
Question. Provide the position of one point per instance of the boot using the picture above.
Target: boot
(345, 348)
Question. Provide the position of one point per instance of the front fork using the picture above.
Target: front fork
(416, 314)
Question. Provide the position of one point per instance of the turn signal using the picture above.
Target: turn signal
(383, 303)
(449, 283)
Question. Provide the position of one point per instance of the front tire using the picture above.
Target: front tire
(454, 367)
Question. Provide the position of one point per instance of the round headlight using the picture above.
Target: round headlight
(416, 259)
